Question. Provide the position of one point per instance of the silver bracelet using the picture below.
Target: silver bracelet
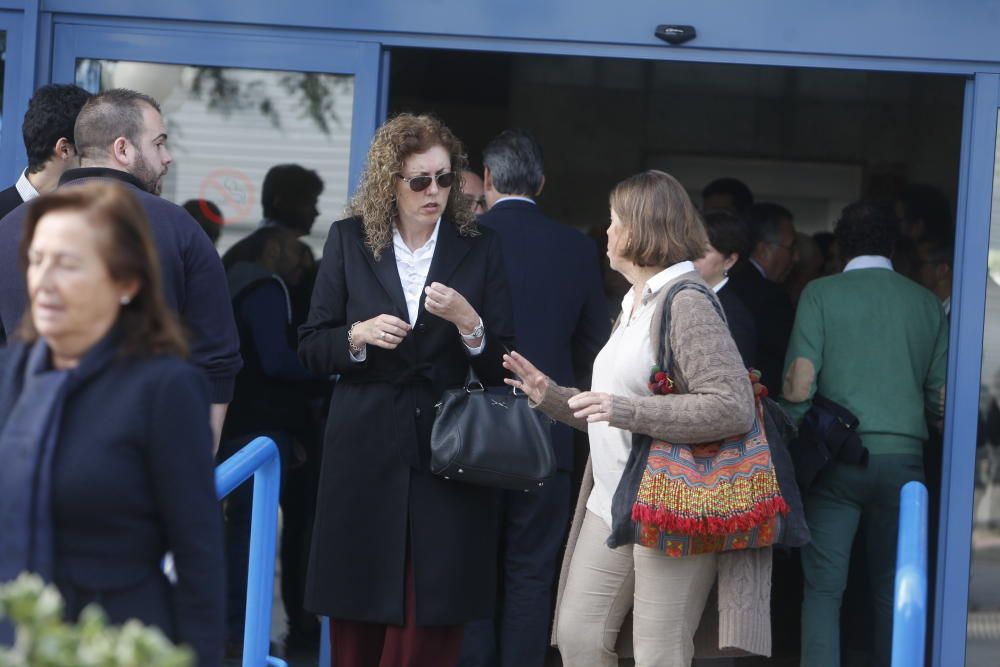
(354, 349)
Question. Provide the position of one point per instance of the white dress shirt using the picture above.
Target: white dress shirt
(868, 262)
(719, 285)
(413, 267)
(760, 269)
(514, 198)
(622, 368)
(25, 188)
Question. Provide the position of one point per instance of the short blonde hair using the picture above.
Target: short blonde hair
(662, 226)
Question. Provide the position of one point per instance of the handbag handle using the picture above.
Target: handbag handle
(474, 384)
(664, 355)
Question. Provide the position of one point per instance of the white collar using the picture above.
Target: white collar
(656, 283)
(25, 188)
(720, 284)
(868, 262)
(514, 198)
(760, 269)
(400, 244)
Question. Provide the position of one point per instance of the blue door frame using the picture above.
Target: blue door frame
(233, 48)
(979, 133)
(17, 19)
(364, 53)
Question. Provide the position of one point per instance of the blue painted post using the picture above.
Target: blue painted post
(909, 621)
(324, 642)
(259, 459)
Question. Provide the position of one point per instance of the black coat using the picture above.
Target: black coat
(773, 314)
(9, 200)
(132, 479)
(560, 312)
(741, 325)
(378, 503)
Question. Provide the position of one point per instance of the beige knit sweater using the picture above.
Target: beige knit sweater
(713, 400)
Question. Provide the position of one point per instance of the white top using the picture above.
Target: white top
(720, 284)
(413, 267)
(25, 188)
(622, 368)
(868, 262)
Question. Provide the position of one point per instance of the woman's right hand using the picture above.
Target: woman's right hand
(529, 379)
(385, 331)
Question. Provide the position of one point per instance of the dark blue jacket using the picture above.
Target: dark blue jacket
(560, 313)
(194, 282)
(132, 479)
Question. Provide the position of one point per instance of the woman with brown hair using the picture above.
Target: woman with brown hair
(410, 293)
(104, 429)
(655, 235)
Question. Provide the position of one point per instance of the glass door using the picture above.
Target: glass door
(237, 104)
(965, 609)
(983, 624)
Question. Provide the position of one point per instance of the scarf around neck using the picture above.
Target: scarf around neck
(27, 444)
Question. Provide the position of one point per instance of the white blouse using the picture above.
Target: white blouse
(622, 368)
(413, 267)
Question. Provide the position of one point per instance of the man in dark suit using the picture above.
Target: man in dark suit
(757, 282)
(560, 323)
(121, 136)
(48, 140)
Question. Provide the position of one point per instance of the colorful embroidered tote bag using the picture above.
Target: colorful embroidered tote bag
(711, 497)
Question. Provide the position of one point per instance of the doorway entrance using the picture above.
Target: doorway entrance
(812, 140)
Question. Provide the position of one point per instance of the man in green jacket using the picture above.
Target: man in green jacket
(876, 343)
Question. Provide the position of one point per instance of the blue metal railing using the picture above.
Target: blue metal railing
(324, 642)
(258, 459)
(909, 620)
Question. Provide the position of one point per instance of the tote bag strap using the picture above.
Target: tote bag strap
(664, 351)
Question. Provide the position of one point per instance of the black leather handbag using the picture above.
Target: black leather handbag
(491, 437)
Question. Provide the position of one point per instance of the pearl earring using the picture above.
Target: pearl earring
(126, 299)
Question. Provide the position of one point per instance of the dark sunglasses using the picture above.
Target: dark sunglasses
(421, 183)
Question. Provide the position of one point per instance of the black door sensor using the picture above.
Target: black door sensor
(676, 34)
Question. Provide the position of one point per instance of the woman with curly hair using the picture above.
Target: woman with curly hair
(409, 295)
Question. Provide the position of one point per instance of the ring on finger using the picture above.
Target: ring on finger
(381, 335)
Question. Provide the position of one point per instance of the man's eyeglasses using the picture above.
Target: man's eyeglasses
(790, 248)
(476, 202)
(421, 183)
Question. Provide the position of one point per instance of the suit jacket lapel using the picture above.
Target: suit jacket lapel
(448, 254)
(388, 275)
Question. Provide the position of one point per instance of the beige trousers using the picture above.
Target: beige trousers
(667, 596)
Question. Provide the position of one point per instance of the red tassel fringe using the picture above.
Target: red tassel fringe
(670, 522)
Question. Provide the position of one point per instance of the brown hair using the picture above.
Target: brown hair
(662, 226)
(394, 142)
(148, 326)
(107, 116)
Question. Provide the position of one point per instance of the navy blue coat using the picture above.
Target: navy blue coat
(560, 313)
(194, 282)
(132, 479)
(741, 325)
(773, 315)
(378, 502)
(9, 200)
